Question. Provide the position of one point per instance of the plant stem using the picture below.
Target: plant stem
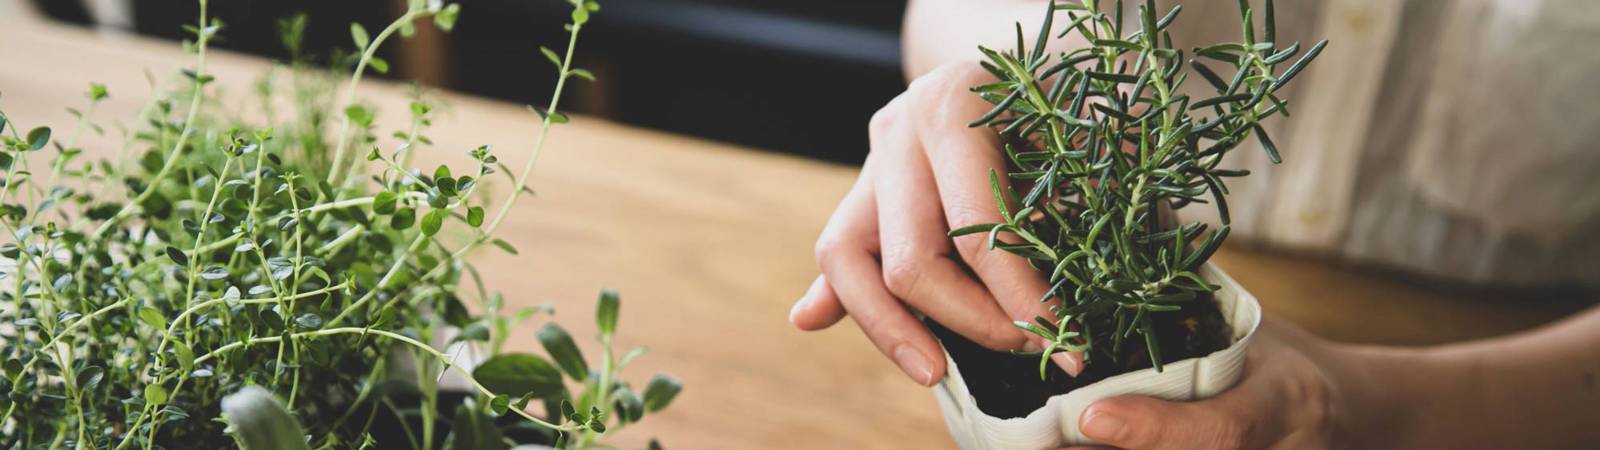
(341, 141)
(538, 146)
(183, 138)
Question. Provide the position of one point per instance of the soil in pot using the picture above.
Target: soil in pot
(391, 429)
(1007, 385)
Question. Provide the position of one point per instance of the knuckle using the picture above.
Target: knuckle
(971, 247)
(903, 266)
(884, 118)
(937, 77)
(1317, 399)
(940, 94)
(828, 250)
(962, 209)
(902, 275)
(975, 252)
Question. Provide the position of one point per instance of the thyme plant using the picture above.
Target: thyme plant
(1101, 138)
(239, 257)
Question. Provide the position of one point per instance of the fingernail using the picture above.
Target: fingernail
(1072, 363)
(1033, 345)
(914, 364)
(799, 305)
(1102, 426)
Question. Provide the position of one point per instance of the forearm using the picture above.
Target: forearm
(1537, 389)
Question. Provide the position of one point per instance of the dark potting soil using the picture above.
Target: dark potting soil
(390, 429)
(1008, 386)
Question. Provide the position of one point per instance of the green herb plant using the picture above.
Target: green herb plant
(1101, 139)
(229, 257)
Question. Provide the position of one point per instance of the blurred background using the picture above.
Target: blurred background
(793, 76)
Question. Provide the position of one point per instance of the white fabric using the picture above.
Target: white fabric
(1453, 138)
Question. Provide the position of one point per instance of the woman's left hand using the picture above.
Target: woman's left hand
(1298, 392)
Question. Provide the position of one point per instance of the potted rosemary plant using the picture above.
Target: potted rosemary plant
(1105, 145)
(280, 282)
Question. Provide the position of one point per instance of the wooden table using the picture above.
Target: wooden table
(709, 244)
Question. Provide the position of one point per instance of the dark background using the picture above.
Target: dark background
(794, 76)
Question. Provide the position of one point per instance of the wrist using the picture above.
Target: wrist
(1383, 396)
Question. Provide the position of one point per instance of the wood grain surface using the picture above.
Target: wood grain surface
(709, 244)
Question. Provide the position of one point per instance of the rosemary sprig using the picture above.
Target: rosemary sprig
(1103, 138)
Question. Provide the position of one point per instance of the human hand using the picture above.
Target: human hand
(928, 173)
(1298, 392)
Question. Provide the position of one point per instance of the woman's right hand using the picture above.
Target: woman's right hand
(886, 251)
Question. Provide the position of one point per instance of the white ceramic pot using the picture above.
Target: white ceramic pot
(1055, 424)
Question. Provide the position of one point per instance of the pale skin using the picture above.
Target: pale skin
(884, 254)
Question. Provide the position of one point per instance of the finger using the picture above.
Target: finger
(846, 256)
(962, 158)
(1241, 418)
(819, 308)
(916, 251)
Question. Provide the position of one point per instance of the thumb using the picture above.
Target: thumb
(1145, 423)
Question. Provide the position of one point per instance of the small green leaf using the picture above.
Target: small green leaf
(567, 410)
(89, 377)
(446, 18)
(308, 321)
(214, 273)
(359, 34)
(999, 195)
(97, 92)
(973, 229)
(384, 202)
(550, 55)
(403, 218)
(559, 345)
(359, 114)
(177, 256)
(379, 65)
(499, 404)
(504, 245)
(185, 355)
(606, 310)
(38, 137)
(629, 407)
(581, 73)
(475, 216)
(475, 331)
(660, 392)
(13, 368)
(516, 374)
(1046, 333)
(153, 317)
(432, 221)
(1266, 144)
(155, 394)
